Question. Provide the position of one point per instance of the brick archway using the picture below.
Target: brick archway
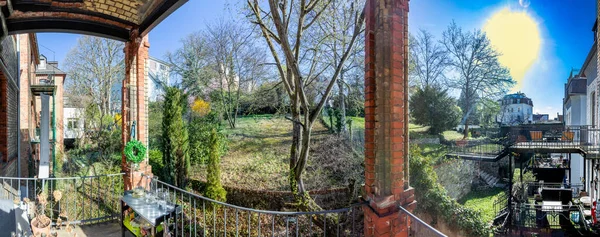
(386, 118)
(124, 20)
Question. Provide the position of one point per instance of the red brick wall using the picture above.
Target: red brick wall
(8, 125)
(386, 118)
(134, 89)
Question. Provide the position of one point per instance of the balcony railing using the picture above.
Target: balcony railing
(85, 200)
(539, 216)
(533, 188)
(96, 199)
(204, 216)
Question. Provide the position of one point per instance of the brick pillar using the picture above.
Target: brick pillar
(386, 118)
(134, 106)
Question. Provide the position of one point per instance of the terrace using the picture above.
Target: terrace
(94, 206)
(550, 152)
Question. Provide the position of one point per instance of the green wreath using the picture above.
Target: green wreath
(135, 151)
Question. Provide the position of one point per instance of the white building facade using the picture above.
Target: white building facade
(158, 77)
(515, 109)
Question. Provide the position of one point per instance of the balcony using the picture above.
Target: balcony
(91, 206)
(43, 86)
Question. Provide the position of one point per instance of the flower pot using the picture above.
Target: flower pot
(38, 228)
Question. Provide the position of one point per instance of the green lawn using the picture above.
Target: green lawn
(357, 122)
(452, 135)
(483, 201)
(258, 156)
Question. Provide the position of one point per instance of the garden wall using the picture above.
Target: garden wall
(277, 200)
(498, 169)
(457, 176)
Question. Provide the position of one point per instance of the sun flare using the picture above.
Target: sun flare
(516, 35)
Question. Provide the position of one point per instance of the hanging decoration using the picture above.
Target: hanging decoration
(135, 151)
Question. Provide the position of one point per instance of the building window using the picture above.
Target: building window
(72, 123)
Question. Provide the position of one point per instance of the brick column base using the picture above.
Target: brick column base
(138, 178)
(384, 218)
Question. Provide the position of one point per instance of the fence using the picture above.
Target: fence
(85, 200)
(550, 217)
(536, 187)
(200, 216)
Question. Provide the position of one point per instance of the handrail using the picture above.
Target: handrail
(262, 211)
(86, 199)
(422, 222)
(64, 178)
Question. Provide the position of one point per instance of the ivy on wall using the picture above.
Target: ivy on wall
(434, 200)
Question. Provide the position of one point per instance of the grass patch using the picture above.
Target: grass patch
(452, 135)
(482, 201)
(258, 157)
(357, 122)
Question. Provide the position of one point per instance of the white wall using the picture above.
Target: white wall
(591, 74)
(576, 114)
(73, 114)
(523, 111)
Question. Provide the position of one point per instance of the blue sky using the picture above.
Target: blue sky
(564, 28)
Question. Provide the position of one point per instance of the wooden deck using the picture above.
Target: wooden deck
(110, 229)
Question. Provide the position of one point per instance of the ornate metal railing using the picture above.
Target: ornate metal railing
(85, 200)
(201, 216)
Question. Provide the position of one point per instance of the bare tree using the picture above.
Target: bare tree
(477, 71)
(428, 59)
(288, 29)
(338, 22)
(94, 67)
(237, 62)
(191, 63)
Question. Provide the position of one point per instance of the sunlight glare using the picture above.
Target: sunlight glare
(516, 35)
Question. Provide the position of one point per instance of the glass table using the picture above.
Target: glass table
(138, 209)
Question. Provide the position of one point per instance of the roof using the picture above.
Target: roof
(588, 59)
(50, 69)
(116, 19)
(160, 61)
(518, 95)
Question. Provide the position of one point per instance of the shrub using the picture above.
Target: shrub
(200, 134)
(175, 139)
(433, 107)
(214, 189)
(434, 200)
(155, 158)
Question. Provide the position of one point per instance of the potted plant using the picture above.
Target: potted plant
(40, 224)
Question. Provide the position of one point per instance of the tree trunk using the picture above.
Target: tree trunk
(301, 164)
(466, 130)
(294, 151)
(342, 120)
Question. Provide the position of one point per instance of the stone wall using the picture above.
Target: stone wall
(497, 169)
(457, 176)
